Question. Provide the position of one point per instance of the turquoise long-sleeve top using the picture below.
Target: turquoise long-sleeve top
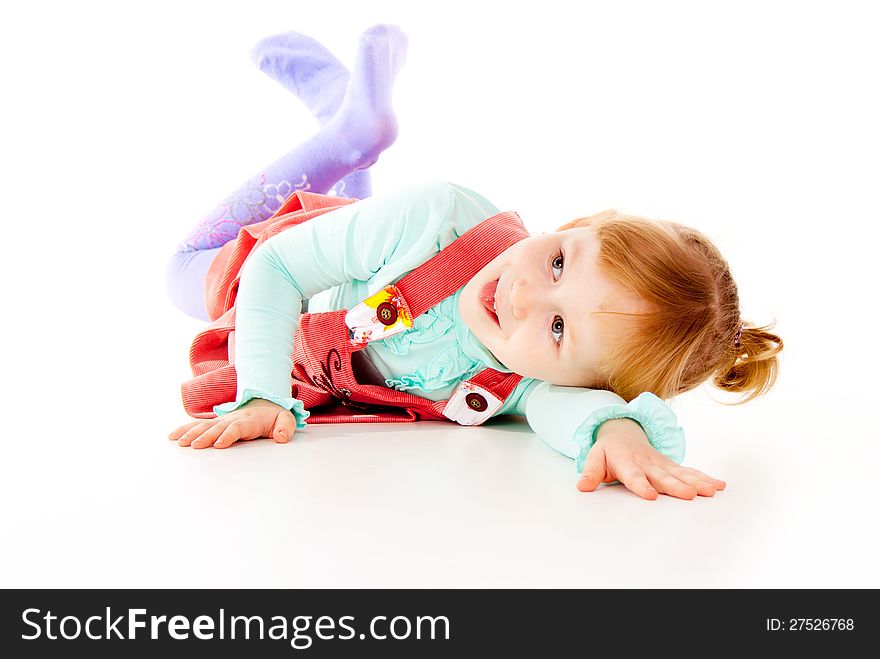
(346, 255)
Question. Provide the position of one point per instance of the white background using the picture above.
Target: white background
(755, 122)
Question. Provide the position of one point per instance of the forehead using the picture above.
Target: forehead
(603, 292)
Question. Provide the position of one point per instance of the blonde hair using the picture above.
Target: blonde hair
(689, 335)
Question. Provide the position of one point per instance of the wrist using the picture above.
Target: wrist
(261, 402)
(626, 425)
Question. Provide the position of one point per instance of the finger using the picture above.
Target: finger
(211, 435)
(594, 469)
(233, 432)
(634, 479)
(717, 483)
(285, 426)
(687, 474)
(177, 432)
(703, 487)
(666, 483)
(197, 429)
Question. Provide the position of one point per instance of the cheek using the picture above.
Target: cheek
(529, 345)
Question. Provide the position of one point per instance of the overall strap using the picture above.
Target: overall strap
(477, 399)
(456, 264)
(393, 309)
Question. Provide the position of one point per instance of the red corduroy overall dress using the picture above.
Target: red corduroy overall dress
(322, 376)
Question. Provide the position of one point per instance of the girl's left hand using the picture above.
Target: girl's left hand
(622, 453)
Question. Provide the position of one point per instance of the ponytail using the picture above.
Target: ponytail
(752, 366)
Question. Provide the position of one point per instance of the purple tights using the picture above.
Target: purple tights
(185, 280)
(356, 125)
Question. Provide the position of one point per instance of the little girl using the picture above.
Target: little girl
(430, 303)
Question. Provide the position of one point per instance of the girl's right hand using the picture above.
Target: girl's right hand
(255, 419)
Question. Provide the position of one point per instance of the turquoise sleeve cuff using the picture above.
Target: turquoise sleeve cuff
(656, 418)
(293, 404)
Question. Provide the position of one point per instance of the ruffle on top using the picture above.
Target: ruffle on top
(449, 364)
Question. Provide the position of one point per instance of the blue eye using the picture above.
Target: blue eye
(557, 323)
(559, 257)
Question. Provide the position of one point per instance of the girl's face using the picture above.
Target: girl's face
(545, 287)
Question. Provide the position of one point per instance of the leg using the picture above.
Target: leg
(185, 281)
(311, 72)
(363, 126)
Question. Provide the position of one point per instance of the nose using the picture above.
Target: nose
(525, 299)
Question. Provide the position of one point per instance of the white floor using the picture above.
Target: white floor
(761, 133)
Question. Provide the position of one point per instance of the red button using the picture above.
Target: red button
(386, 313)
(476, 402)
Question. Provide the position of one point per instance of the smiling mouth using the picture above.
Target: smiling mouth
(493, 315)
(489, 301)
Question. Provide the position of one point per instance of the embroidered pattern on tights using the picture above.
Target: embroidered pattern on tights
(254, 202)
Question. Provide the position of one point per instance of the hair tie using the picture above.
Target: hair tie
(738, 334)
